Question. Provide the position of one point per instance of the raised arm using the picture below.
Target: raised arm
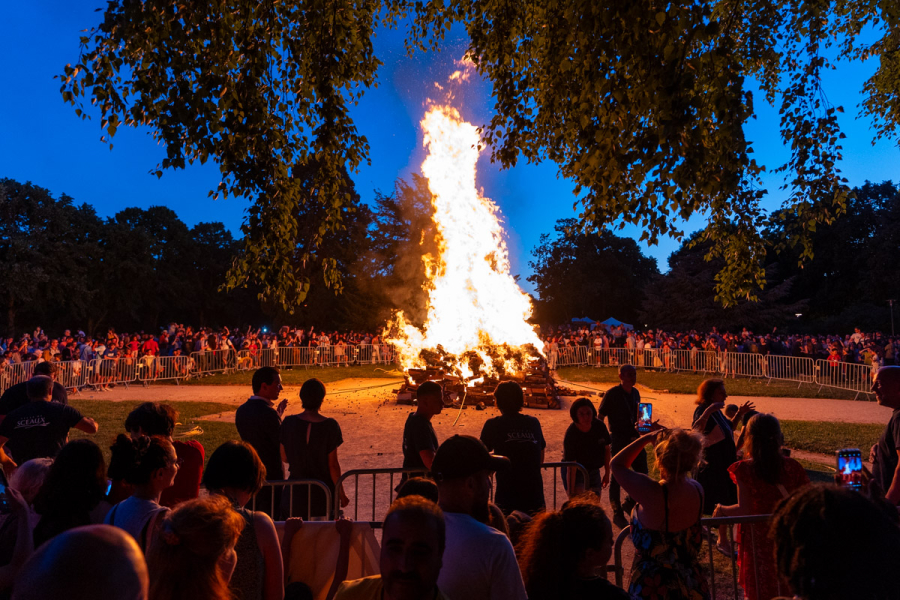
(639, 486)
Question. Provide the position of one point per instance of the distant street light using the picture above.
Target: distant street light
(798, 315)
(891, 302)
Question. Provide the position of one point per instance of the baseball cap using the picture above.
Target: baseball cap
(463, 455)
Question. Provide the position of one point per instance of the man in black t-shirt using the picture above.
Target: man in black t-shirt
(519, 438)
(40, 428)
(620, 408)
(419, 440)
(885, 455)
(17, 396)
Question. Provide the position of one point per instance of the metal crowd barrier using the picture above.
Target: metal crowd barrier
(748, 536)
(846, 376)
(16, 373)
(288, 487)
(109, 371)
(161, 368)
(73, 374)
(209, 362)
(380, 502)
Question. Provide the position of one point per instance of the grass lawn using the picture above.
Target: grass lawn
(827, 438)
(111, 418)
(297, 375)
(687, 383)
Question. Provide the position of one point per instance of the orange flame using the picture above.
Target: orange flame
(475, 308)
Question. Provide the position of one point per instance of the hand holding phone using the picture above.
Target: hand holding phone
(645, 417)
(850, 468)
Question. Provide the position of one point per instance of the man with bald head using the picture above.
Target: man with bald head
(95, 562)
(885, 455)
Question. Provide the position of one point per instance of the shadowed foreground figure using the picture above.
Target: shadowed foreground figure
(95, 562)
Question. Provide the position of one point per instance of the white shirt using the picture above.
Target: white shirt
(479, 562)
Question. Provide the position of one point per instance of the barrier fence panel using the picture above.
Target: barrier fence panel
(72, 374)
(380, 498)
(569, 356)
(113, 371)
(844, 376)
(733, 591)
(292, 488)
(745, 364)
(559, 472)
(212, 361)
(161, 368)
(791, 368)
(16, 373)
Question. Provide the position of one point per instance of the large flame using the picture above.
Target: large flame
(476, 314)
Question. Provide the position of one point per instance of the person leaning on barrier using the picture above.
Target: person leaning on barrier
(833, 543)
(479, 561)
(17, 395)
(412, 548)
(884, 455)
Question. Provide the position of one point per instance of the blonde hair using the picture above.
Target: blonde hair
(707, 389)
(678, 452)
(183, 559)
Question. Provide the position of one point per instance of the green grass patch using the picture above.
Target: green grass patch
(111, 418)
(826, 438)
(297, 375)
(687, 383)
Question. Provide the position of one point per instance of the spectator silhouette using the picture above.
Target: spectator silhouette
(884, 454)
(586, 442)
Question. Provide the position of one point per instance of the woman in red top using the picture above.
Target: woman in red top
(762, 479)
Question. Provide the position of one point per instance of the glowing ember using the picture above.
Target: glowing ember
(476, 315)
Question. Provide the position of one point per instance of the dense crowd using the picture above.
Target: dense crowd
(872, 348)
(140, 527)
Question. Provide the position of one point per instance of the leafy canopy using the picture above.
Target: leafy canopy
(641, 103)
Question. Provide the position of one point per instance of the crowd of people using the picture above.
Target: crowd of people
(873, 348)
(155, 524)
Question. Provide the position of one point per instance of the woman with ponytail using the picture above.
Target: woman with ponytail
(192, 556)
(763, 478)
(561, 553)
(150, 465)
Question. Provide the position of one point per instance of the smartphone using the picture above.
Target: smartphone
(849, 466)
(645, 417)
(4, 500)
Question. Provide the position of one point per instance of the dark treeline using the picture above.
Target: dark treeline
(63, 266)
(854, 272)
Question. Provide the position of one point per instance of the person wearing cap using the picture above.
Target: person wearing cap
(419, 440)
(479, 561)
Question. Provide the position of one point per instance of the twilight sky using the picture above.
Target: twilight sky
(42, 141)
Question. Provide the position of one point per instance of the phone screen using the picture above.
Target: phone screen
(849, 465)
(645, 417)
(4, 501)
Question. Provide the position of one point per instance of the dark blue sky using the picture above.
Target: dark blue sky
(41, 139)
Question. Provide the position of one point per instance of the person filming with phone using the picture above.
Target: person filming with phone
(620, 408)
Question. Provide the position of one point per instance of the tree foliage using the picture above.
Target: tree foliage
(581, 274)
(641, 103)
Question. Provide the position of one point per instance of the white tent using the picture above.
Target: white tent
(611, 322)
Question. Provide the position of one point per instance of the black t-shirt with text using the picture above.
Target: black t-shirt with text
(586, 447)
(17, 396)
(519, 438)
(620, 409)
(886, 458)
(38, 429)
(418, 435)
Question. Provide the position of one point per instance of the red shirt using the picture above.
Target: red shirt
(187, 481)
(150, 347)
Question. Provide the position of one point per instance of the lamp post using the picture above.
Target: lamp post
(891, 302)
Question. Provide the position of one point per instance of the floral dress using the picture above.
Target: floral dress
(756, 554)
(666, 565)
